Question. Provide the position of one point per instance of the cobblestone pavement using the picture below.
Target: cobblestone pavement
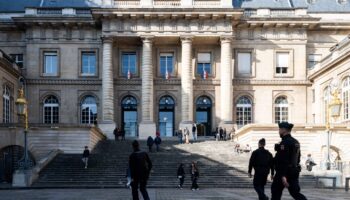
(160, 194)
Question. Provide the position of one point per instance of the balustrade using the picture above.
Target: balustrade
(127, 3)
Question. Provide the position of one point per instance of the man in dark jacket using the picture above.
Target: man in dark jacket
(150, 142)
(287, 164)
(262, 162)
(140, 167)
(157, 141)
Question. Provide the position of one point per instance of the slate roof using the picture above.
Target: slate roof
(319, 5)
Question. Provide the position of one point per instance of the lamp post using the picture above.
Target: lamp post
(333, 110)
(22, 111)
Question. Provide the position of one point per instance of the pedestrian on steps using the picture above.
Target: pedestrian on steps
(194, 176)
(140, 168)
(150, 143)
(116, 134)
(157, 141)
(86, 155)
(128, 177)
(179, 136)
(181, 175)
(194, 128)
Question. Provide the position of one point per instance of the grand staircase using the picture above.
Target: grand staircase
(219, 166)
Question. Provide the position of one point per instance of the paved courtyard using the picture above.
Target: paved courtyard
(160, 194)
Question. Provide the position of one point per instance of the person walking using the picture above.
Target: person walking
(128, 177)
(116, 134)
(262, 162)
(122, 133)
(179, 136)
(157, 141)
(194, 176)
(181, 175)
(86, 155)
(140, 168)
(194, 129)
(287, 164)
(150, 143)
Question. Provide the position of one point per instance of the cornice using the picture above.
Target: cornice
(177, 81)
(63, 82)
(9, 68)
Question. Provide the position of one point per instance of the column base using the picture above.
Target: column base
(107, 128)
(226, 124)
(147, 129)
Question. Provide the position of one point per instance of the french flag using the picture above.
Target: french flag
(129, 74)
(205, 74)
(167, 76)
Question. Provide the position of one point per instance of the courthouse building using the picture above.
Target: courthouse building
(161, 65)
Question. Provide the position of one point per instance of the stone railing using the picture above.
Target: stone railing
(127, 3)
(45, 11)
(167, 3)
(206, 3)
(282, 12)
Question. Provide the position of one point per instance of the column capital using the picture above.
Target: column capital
(186, 38)
(107, 39)
(147, 38)
(226, 39)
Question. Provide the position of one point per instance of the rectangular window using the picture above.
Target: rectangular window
(18, 58)
(204, 64)
(313, 59)
(88, 60)
(166, 64)
(50, 63)
(129, 63)
(244, 63)
(282, 62)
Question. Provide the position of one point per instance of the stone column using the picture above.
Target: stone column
(106, 121)
(147, 126)
(226, 96)
(186, 83)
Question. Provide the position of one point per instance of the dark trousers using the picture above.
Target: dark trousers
(157, 145)
(150, 148)
(294, 188)
(135, 185)
(194, 183)
(259, 183)
(182, 180)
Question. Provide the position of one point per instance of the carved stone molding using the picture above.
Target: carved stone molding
(62, 82)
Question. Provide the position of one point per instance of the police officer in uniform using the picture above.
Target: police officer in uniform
(287, 165)
(262, 162)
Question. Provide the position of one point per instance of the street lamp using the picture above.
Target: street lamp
(22, 111)
(333, 110)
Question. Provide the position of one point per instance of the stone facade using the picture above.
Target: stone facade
(190, 28)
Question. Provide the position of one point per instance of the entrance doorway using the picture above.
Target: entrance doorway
(129, 116)
(203, 116)
(166, 116)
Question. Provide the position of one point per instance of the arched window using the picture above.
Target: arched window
(243, 111)
(326, 99)
(88, 110)
(346, 99)
(6, 104)
(281, 109)
(51, 110)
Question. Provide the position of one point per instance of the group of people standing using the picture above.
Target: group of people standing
(117, 132)
(286, 164)
(185, 134)
(221, 134)
(157, 141)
